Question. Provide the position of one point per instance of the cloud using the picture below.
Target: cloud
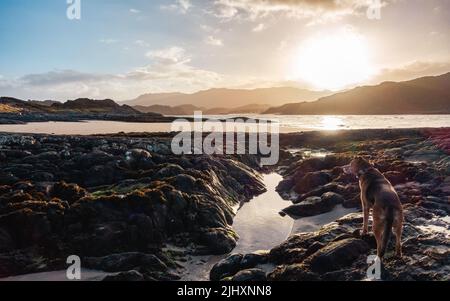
(173, 64)
(134, 11)
(170, 69)
(260, 27)
(412, 70)
(141, 43)
(181, 6)
(210, 40)
(108, 41)
(171, 55)
(61, 77)
(254, 9)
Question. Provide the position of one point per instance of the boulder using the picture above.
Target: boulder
(184, 182)
(219, 240)
(293, 272)
(226, 267)
(253, 259)
(42, 176)
(94, 158)
(169, 170)
(337, 255)
(395, 177)
(311, 181)
(138, 159)
(314, 205)
(123, 262)
(67, 192)
(250, 275)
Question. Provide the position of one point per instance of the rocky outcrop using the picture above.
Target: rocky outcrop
(415, 163)
(16, 111)
(118, 201)
(115, 202)
(314, 205)
(238, 267)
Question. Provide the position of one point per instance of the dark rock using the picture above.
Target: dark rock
(332, 197)
(314, 205)
(226, 267)
(67, 192)
(253, 259)
(250, 275)
(337, 255)
(42, 176)
(125, 262)
(138, 159)
(185, 182)
(395, 177)
(48, 156)
(7, 178)
(294, 272)
(331, 187)
(219, 240)
(311, 180)
(27, 227)
(169, 170)
(6, 242)
(94, 158)
(125, 276)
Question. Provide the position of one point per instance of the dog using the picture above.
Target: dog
(378, 194)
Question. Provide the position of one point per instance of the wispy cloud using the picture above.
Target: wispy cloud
(170, 69)
(171, 55)
(412, 70)
(108, 41)
(258, 28)
(254, 9)
(181, 6)
(141, 43)
(134, 11)
(210, 40)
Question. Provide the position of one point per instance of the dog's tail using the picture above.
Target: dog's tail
(387, 230)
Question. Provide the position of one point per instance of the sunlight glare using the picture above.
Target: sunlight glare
(331, 123)
(332, 61)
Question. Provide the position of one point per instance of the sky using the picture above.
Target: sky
(121, 49)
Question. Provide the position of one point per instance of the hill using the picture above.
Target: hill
(426, 95)
(229, 98)
(190, 109)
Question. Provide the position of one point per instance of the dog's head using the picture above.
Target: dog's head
(357, 166)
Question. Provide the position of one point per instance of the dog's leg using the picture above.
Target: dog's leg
(398, 228)
(378, 232)
(365, 208)
(365, 220)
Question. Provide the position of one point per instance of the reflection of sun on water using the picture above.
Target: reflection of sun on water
(331, 123)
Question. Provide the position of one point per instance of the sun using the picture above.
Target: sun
(332, 61)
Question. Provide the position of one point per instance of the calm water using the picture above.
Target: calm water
(287, 124)
(260, 227)
(258, 223)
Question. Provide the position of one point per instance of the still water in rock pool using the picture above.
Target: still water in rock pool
(258, 223)
(260, 227)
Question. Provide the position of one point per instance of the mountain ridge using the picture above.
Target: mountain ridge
(229, 98)
(424, 95)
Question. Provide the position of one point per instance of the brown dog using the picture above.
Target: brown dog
(379, 194)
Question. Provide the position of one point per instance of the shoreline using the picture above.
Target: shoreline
(287, 135)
